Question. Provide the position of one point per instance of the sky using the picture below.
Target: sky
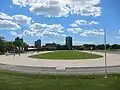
(53, 20)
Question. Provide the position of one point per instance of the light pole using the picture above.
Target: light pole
(105, 58)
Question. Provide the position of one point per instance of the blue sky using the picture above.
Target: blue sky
(53, 20)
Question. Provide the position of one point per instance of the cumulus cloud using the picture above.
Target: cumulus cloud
(19, 19)
(29, 33)
(93, 32)
(22, 19)
(45, 27)
(4, 16)
(71, 30)
(49, 33)
(74, 25)
(13, 22)
(38, 34)
(84, 22)
(15, 34)
(50, 11)
(75, 30)
(5, 24)
(58, 8)
(40, 30)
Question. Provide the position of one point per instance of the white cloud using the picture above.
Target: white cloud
(84, 22)
(64, 35)
(33, 21)
(15, 34)
(19, 19)
(75, 30)
(38, 27)
(71, 30)
(4, 16)
(29, 33)
(80, 22)
(73, 25)
(50, 11)
(78, 29)
(22, 19)
(38, 34)
(5, 24)
(58, 8)
(13, 22)
(48, 33)
(93, 22)
(40, 30)
(93, 32)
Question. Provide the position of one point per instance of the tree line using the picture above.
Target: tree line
(97, 47)
(18, 45)
(12, 46)
(90, 47)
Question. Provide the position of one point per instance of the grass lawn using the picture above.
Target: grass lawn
(19, 81)
(66, 55)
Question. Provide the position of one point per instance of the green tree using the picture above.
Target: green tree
(18, 43)
(9, 46)
(115, 46)
(2, 43)
(25, 46)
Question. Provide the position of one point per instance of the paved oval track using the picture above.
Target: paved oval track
(24, 64)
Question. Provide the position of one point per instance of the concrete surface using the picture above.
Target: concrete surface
(30, 65)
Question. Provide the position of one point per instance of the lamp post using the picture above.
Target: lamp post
(105, 58)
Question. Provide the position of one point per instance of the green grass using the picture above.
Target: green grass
(66, 55)
(19, 81)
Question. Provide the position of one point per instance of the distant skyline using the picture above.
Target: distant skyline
(53, 20)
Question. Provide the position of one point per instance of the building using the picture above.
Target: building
(38, 44)
(69, 42)
(50, 46)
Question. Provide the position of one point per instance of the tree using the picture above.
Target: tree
(25, 46)
(86, 46)
(108, 46)
(18, 43)
(100, 47)
(2, 48)
(9, 46)
(115, 46)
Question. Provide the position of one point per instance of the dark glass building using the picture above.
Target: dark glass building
(38, 44)
(69, 42)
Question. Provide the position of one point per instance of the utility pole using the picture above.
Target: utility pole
(105, 59)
